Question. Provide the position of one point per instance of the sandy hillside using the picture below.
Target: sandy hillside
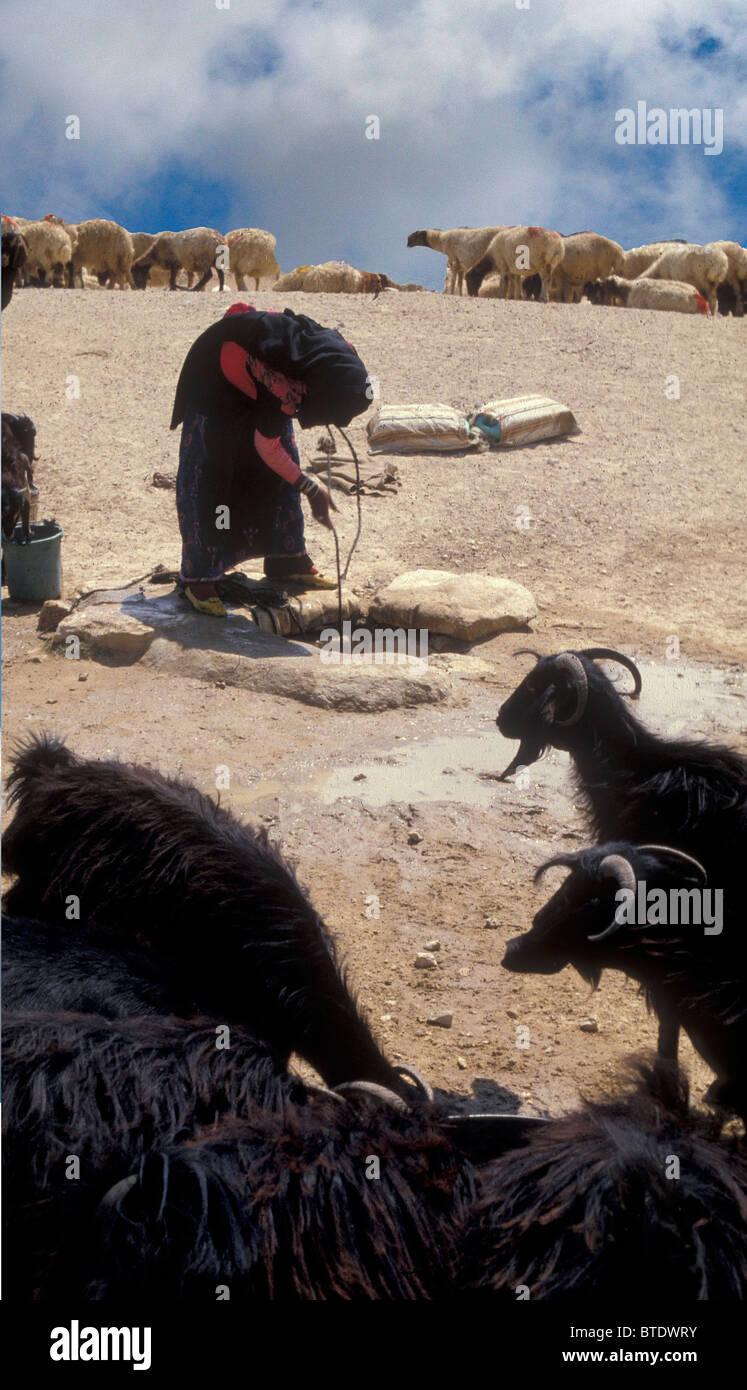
(637, 533)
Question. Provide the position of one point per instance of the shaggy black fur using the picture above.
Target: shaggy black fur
(153, 860)
(635, 785)
(698, 981)
(290, 1208)
(592, 1208)
(104, 1091)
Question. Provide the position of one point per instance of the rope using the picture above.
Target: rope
(343, 573)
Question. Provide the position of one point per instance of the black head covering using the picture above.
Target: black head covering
(336, 379)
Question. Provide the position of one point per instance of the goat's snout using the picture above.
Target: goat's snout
(526, 956)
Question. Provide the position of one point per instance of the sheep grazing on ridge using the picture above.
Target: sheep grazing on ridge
(518, 253)
(590, 1209)
(293, 279)
(586, 257)
(158, 276)
(252, 253)
(194, 251)
(670, 295)
(462, 246)
(736, 279)
(639, 258)
(18, 489)
(50, 254)
(103, 248)
(645, 910)
(704, 267)
(150, 856)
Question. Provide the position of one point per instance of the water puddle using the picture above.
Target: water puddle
(677, 699)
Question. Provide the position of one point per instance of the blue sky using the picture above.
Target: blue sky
(255, 115)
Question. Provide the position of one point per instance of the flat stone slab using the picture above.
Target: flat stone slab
(142, 623)
(468, 606)
(365, 689)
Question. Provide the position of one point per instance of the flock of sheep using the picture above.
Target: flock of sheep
(493, 262)
(518, 262)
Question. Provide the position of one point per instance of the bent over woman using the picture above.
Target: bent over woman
(239, 484)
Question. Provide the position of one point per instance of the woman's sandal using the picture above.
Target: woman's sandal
(213, 606)
(311, 581)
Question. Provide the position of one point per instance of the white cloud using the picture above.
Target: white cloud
(488, 114)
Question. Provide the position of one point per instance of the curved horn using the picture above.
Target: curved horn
(617, 867)
(678, 854)
(568, 861)
(370, 1088)
(314, 1090)
(568, 661)
(115, 1193)
(528, 651)
(609, 654)
(423, 1086)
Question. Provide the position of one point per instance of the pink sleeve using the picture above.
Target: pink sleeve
(272, 453)
(233, 359)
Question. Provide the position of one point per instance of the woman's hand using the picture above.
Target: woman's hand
(321, 504)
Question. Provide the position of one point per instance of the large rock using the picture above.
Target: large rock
(163, 632)
(364, 689)
(467, 606)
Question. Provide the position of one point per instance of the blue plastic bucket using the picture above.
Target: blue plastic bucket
(33, 572)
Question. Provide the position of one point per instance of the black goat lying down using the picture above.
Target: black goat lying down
(200, 1165)
(693, 974)
(629, 1198)
(334, 1200)
(155, 863)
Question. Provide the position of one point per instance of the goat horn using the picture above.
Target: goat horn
(119, 1190)
(609, 654)
(678, 854)
(615, 866)
(423, 1086)
(323, 1091)
(528, 651)
(567, 661)
(370, 1088)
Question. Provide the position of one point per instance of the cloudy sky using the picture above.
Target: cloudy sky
(255, 113)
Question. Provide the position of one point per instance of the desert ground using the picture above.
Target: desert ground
(636, 534)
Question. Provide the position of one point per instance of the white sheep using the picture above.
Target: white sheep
(587, 257)
(736, 277)
(462, 246)
(50, 252)
(705, 267)
(672, 295)
(639, 258)
(103, 249)
(193, 251)
(517, 253)
(493, 286)
(334, 277)
(252, 252)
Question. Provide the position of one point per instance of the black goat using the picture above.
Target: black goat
(14, 256)
(635, 785)
(327, 1201)
(152, 859)
(18, 453)
(597, 1207)
(694, 973)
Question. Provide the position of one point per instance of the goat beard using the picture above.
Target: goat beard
(530, 750)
